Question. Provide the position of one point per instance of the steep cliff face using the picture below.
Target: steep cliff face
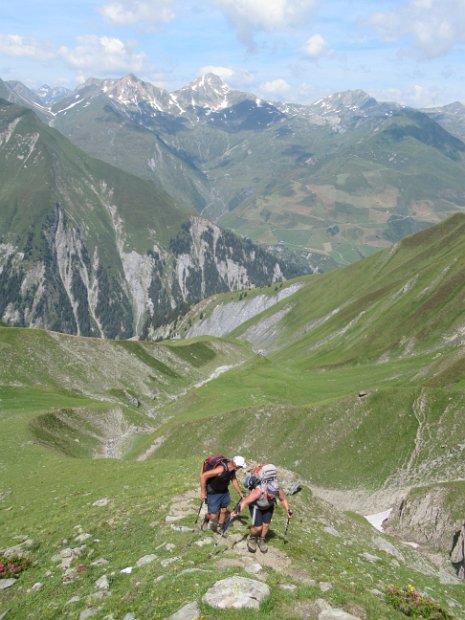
(88, 249)
(70, 288)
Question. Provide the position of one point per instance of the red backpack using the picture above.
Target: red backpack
(214, 461)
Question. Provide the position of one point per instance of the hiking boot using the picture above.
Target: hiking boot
(214, 525)
(252, 544)
(262, 545)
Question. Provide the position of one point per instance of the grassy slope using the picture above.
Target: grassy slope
(298, 405)
(57, 171)
(407, 168)
(389, 338)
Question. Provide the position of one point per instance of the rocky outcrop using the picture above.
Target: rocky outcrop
(70, 288)
(425, 517)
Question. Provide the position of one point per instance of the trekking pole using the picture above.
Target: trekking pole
(198, 513)
(289, 515)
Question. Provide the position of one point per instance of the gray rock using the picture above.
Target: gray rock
(369, 557)
(180, 528)
(301, 576)
(229, 563)
(66, 556)
(37, 587)
(325, 586)
(189, 571)
(100, 562)
(190, 611)
(6, 583)
(146, 559)
(168, 561)
(83, 537)
(236, 593)
(204, 542)
(96, 597)
(384, 545)
(336, 614)
(101, 503)
(87, 613)
(288, 587)
(102, 583)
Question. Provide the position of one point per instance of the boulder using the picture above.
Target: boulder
(236, 593)
(190, 611)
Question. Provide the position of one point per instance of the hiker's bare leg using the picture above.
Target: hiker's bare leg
(222, 516)
(265, 529)
(256, 531)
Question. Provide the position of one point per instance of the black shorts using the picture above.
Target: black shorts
(261, 516)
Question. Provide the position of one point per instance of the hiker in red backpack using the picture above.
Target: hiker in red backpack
(261, 503)
(217, 473)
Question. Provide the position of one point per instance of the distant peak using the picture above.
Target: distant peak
(209, 82)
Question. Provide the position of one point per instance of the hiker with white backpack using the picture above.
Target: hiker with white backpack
(217, 473)
(261, 501)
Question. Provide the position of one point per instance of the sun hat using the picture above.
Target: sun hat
(272, 488)
(239, 461)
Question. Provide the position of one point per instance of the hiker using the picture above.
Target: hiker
(261, 503)
(214, 485)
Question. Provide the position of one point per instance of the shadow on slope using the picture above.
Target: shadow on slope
(86, 433)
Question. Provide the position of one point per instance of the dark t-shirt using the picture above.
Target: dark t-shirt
(219, 484)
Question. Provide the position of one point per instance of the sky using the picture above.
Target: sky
(408, 51)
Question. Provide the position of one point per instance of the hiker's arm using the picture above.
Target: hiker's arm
(204, 476)
(283, 499)
(250, 499)
(237, 486)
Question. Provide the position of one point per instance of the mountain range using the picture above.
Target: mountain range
(118, 222)
(86, 248)
(343, 177)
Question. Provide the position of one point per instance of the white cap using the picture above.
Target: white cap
(239, 461)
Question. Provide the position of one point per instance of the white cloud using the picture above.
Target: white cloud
(24, 47)
(276, 88)
(225, 73)
(235, 78)
(247, 16)
(145, 12)
(434, 26)
(104, 54)
(315, 47)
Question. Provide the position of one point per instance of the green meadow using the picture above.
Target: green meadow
(357, 389)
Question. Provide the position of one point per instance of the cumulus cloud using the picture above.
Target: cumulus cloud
(433, 26)
(315, 47)
(276, 88)
(104, 54)
(414, 95)
(225, 73)
(145, 12)
(236, 78)
(248, 16)
(24, 47)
